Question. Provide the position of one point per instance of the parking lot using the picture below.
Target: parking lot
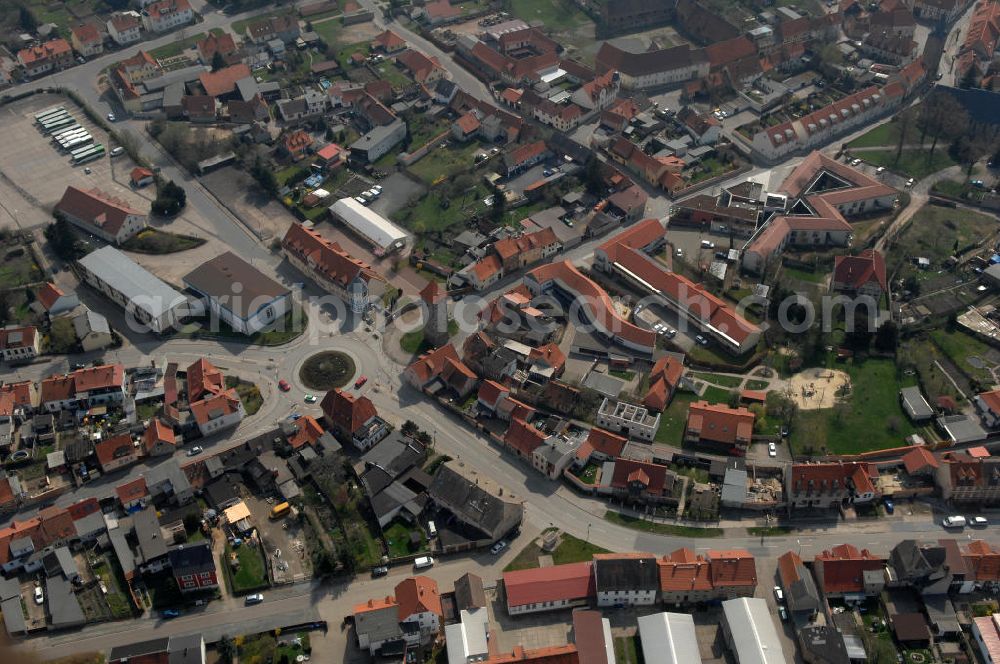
(36, 612)
(283, 540)
(35, 166)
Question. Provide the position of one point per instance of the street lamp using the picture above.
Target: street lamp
(588, 532)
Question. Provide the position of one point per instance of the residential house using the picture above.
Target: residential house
(164, 15)
(686, 578)
(223, 44)
(863, 274)
(388, 42)
(437, 12)
(423, 69)
(310, 105)
(116, 452)
(664, 378)
(218, 412)
(45, 57)
(919, 461)
(963, 478)
(133, 494)
(123, 28)
(19, 344)
(193, 567)
(295, 144)
(419, 603)
(221, 84)
(988, 406)
(798, 584)
(525, 156)
(466, 127)
(655, 68)
(97, 212)
(140, 177)
(53, 301)
(830, 485)
(480, 518)
(439, 369)
(643, 483)
(92, 331)
(158, 439)
(599, 93)
(626, 579)
(849, 573)
(284, 27)
(332, 268)
(628, 419)
(549, 588)
(87, 40)
(353, 419)
(628, 205)
(331, 156)
(377, 625)
(719, 425)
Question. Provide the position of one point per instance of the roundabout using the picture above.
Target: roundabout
(326, 370)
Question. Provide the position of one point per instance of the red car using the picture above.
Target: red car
(360, 381)
(283, 385)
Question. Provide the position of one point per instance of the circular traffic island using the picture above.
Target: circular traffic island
(327, 370)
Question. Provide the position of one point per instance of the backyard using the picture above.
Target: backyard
(869, 417)
(969, 354)
(251, 574)
(443, 163)
(399, 538)
(18, 268)
(937, 233)
(674, 418)
(248, 392)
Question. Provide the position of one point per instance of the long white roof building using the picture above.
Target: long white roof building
(373, 227)
(669, 638)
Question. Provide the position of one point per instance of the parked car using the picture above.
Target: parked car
(360, 381)
(39, 595)
(783, 613)
(170, 613)
(361, 199)
(772, 450)
(890, 506)
(498, 548)
(701, 340)
(283, 385)
(117, 151)
(778, 595)
(255, 598)
(547, 172)
(909, 183)
(707, 244)
(880, 170)
(195, 451)
(671, 333)
(953, 522)
(979, 521)
(311, 398)
(111, 117)
(381, 570)
(855, 162)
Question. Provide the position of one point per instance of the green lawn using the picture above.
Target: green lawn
(885, 134)
(955, 188)
(713, 394)
(660, 528)
(628, 650)
(248, 392)
(960, 348)
(397, 537)
(387, 71)
(587, 474)
(912, 163)
(17, 267)
(935, 232)
(428, 215)
(251, 574)
(447, 162)
(569, 550)
(718, 379)
(624, 375)
(813, 277)
(870, 418)
(178, 47)
(553, 14)
(757, 385)
(674, 418)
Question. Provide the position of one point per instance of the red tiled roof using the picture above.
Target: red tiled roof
(526, 152)
(23, 392)
(98, 378)
(224, 403)
(550, 354)
(567, 654)
(212, 44)
(598, 303)
(157, 432)
(17, 337)
(683, 571)
(843, 568)
(978, 452)
(158, 10)
(468, 123)
(733, 568)
(87, 33)
(307, 430)
(57, 388)
(663, 380)
(652, 476)
(131, 491)
(485, 268)
(347, 411)
(856, 271)
(329, 152)
(223, 81)
(490, 391)
(983, 561)
(919, 459)
(326, 258)
(571, 582)
(607, 443)
(832, 477)
(389, 40)
(789, 565)
(991, 400)
(113, 448)
(419, 65)
(38, 52)
(719, 423)
(433, 363)
(48, 295)
(418, 594)
(523, 437)
(204, 378)
(96, 207)
(6, 404)
(139, 173)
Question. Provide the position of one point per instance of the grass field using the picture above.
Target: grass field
(248, 392)
(660, 528)
(883, 135)
(912, 163)
(397, 537)
(447, 162)
(813, 277)
(718, 379)
(960, 348)
(251, 574)
(870, 418)
(17, 267)
(935, 232)
(553, 14)
(569, 550)
(628, 650)
(673, 419)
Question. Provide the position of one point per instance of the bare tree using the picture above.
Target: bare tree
(905, 122)
(942, 117)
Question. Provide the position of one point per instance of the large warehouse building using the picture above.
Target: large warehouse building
(146, 298)
(384, 235)
(239, 294)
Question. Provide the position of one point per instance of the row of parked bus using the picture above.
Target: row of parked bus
(69, 135)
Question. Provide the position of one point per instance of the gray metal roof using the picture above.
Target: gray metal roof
(141, 288)
(915, 403)
(669, 638)
(147, 532)
(13, 618)
(64, 609)
(753, 631)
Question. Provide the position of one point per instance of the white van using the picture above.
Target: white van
(432, 529)
(423, 562)
(954, 522)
